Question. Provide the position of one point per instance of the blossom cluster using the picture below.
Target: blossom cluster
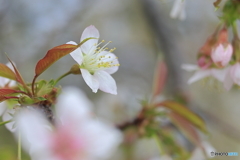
(218, 58)
(52, 123)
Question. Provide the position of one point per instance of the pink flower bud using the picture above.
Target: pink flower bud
(204, 62)
(222, 55)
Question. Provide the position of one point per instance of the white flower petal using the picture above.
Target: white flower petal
(73, 105)
(199, 75)
(189, 67)
(91, 81)
(3, 107)
(110, 57)
(100, 134)
(76, 54)
(178, 9)
(219, 74)
(208, 148)
(197, 154)
(33, 128)
(106, 82)
(88, 46)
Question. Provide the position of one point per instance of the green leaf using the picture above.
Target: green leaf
(17, 74)
(6, 72)
(41, 98)
(184, 112)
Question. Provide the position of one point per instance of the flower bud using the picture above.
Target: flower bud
(75, 69)
(221, 55)
(204, 62)
(25, 100)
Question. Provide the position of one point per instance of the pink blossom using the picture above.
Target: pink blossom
(96, 64)
(222, 55)
(233, 76)
(76, 135)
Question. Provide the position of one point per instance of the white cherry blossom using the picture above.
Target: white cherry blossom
(233, 76)
(96, 64)
(200, 73)
(76, 135)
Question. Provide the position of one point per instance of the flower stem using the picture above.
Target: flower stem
(62, 76)
(19, 147)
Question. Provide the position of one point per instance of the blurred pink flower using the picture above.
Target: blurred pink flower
(219, 74)
(222, 55)
(178, 10)
(76, 135)
(233, 76)
(96, 64)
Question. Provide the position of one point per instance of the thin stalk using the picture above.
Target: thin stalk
(19, 147)
(33, 82)
(62, 76)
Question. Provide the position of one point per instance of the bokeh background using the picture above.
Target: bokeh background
(141, 30)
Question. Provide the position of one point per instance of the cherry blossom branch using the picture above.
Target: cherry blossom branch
(19, 147)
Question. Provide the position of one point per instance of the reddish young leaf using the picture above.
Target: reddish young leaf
(52, 56)
(6, 72)
(159, 78)
(55, 54)
(186, 128)
(6, 91)
(184, 112)
(17, 74)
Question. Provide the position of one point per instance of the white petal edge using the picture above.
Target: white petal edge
(34, 132)
(77, 53)
(199, 75)
(219, 74)
(106, 82)
(113, 59)
(91, 81)
(3, 107)
(72, 104)
(189, 67)
(88, 46)
(100, 134)
(178, 10)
